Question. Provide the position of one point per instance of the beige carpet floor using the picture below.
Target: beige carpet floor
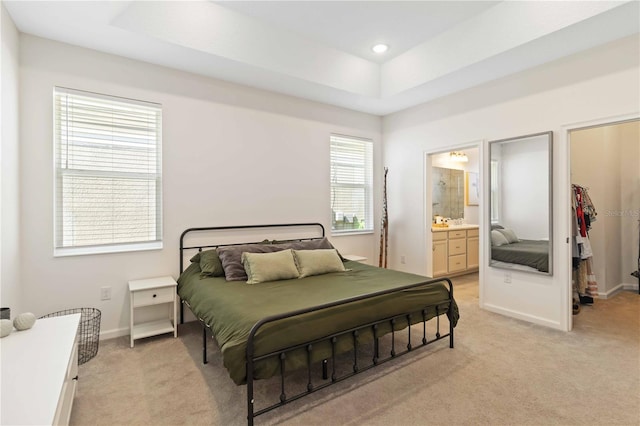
(502, 372)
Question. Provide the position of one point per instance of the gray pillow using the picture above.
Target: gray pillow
(509, 235)
(264, 267)
(317, 262)
(317, 244)
(497, 239)
(231, 258)
(496, 226)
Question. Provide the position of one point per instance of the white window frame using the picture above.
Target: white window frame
(366, 165)
(494, 208)
(116, 139)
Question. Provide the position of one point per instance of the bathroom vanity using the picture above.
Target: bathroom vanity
(455, 250)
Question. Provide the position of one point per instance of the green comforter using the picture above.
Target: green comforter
(232, 308)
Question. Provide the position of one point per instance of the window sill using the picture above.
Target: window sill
(119, 248)
(351, 233)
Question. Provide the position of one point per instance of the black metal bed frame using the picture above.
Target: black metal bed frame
(411, 318)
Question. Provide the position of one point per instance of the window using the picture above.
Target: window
(495, 192)
(351, 184)
(108, 180)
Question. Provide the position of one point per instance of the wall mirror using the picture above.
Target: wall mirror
(521, 203)
(447, 193)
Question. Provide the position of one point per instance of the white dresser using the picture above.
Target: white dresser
(40, 372)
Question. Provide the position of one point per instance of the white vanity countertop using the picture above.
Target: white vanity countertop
(453, 227)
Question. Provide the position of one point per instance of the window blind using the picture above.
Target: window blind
(351, 184)
(108, 180)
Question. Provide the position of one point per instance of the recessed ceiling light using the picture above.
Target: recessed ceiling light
(380, 48)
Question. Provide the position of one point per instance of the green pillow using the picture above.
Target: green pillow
(317, 262)
(263, 267)
(210, 265)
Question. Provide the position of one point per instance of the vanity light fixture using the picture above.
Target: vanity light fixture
(380, 48)
(458, 157)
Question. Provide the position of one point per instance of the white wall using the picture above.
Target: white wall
(232, 155)
(602, 82)
(604, 159)
(10, 287)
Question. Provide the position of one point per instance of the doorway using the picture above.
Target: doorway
(452, 212)
(605, 173)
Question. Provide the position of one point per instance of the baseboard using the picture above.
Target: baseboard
(617, 289)
(112, 334)
(522, 316)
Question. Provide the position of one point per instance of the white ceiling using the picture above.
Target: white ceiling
(320, 50)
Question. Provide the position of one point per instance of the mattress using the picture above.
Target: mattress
(231, 308)
(524, 252)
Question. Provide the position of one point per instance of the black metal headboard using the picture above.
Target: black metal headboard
(227, 228)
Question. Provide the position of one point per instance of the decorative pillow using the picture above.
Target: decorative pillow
(263, 267)
(509, 235)
(317, 262)
(497, 239)
(210, 265)
(317, 244)
(496, 226)
(231, 258)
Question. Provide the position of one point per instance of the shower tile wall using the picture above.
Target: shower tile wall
(447, 192)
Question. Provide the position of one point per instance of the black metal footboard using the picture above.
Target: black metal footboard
(410, 318)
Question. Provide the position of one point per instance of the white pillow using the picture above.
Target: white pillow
(497, 238)
(509, 235)
(317, 262)
(263, 267)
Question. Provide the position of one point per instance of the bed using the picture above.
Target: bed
(531, 253)
(271, 328)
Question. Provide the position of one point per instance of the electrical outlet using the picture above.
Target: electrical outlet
(507, 277)
(105, 293)
(403, 259)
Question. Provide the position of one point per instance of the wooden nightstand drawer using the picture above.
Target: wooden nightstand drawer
(153, 296)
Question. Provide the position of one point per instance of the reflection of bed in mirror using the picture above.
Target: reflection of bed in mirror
(521, 200)
(523, 255)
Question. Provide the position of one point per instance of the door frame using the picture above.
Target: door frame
(564, 185)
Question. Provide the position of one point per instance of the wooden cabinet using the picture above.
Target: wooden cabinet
(454, 252)
(473, 249)
(440, 254)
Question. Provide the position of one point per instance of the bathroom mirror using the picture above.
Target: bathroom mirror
(520, 209)
(447, 192)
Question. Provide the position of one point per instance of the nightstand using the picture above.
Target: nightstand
(149, 292)
(354, 257)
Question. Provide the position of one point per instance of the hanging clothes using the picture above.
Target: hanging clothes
(584, 214)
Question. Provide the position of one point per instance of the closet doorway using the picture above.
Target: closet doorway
(605, 178)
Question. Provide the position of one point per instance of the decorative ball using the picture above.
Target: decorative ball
(6, 327)
(24, 321)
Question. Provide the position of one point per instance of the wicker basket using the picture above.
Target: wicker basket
(88, 331)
